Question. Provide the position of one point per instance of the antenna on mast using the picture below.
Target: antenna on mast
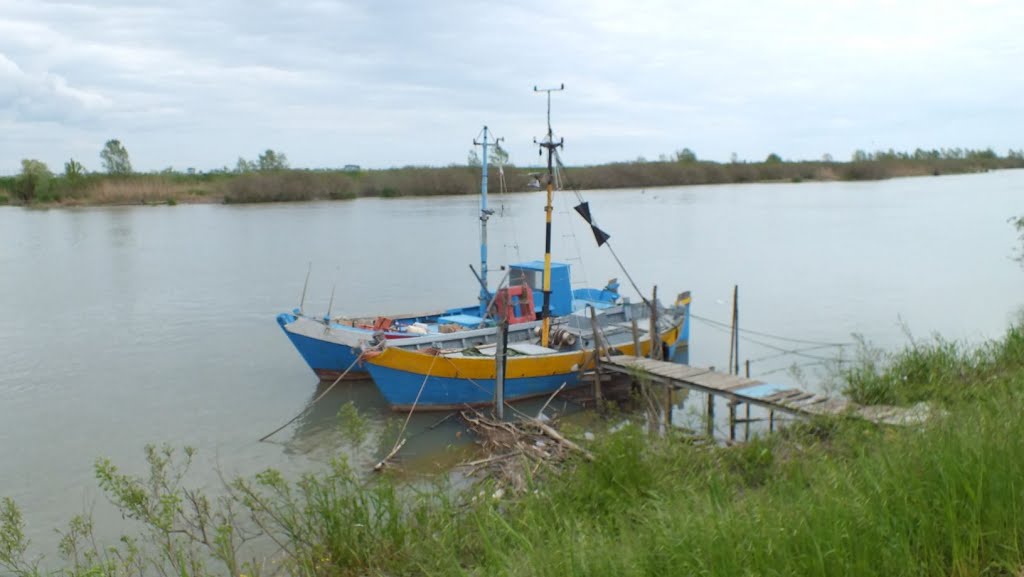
(560, 88)
(485, 213)
(550, 144)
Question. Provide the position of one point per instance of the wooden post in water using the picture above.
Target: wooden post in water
(500, 354)
(668, 407)
(746, 428)
(597, 356)
(734, 345)
(711, 416)
(736, 327)
(654, 336)
(636, 340)
(732, 420)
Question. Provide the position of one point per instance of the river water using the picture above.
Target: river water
(132, 325)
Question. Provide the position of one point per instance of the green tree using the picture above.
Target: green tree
(272, 160)
(499, 155)
(773, 159)
(686, 156)
(33, 181)
(115, 158)
(473, 159)
(73, 170)
(244, 166)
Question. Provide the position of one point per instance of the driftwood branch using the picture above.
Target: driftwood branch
(516, 450)
(384, 462)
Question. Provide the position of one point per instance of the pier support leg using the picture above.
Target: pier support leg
(746, 425)
(711, 416)
(668, 408)
(732, 420)
(598, 397)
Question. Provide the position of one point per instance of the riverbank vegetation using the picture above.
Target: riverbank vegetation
(268, 178)
(828, 497)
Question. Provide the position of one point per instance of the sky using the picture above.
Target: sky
(198, 84)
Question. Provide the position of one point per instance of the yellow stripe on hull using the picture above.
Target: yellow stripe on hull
(418, 362)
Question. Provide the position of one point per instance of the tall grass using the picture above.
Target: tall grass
(932, 370)
(828, 497)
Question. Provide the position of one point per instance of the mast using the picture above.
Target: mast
(550, 144)
(485, 213)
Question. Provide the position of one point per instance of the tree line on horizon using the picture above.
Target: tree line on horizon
(269, 178)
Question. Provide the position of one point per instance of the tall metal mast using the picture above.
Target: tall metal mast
(485, 213)
(550, 144)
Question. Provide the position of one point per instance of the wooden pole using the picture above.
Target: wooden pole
(746, 426)
(668, 407)
(654, 336)
(736, 326)
(500, 355)
(636, 340)
(711, 416)
(732, 334)
(732, 420)
(597, 355)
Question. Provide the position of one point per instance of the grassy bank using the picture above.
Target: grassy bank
(304, 185)
(831, 497)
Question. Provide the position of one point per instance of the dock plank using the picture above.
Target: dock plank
(791, 400)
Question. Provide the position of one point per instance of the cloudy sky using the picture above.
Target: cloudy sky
(190, 83)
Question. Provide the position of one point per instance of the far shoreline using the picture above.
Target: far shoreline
(303, 185)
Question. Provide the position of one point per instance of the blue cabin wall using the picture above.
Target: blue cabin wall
(532, 273)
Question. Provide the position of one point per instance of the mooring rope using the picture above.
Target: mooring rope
(484, 389)
(314, 401)
(399, 441)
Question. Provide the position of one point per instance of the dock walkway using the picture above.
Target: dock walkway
(773, 397)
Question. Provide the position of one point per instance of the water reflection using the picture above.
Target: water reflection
(119, 227)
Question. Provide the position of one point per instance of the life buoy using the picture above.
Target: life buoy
(515, 304)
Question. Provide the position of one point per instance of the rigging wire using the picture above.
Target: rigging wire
(797, 352)
(579, 197)
(769, 335)
(503, 193)
(575, 242)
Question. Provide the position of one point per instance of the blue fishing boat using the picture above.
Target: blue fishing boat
(418, 375)
(434, 377)
(331, 346)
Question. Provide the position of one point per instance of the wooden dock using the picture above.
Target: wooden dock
(742, 390)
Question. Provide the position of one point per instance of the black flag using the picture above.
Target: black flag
(599, 235)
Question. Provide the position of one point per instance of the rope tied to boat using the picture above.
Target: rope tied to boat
(314, 401)
(400, 440)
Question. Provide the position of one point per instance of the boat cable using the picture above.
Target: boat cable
(314, 401)
(576, 190)
(769, 335)
(400, 440)
(570, 240)
(795, 366)
(482, 388)
(797, 352)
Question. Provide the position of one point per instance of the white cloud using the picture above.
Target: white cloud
(192, 83)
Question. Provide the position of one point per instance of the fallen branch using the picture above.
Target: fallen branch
(551, 432)
(384, 462)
